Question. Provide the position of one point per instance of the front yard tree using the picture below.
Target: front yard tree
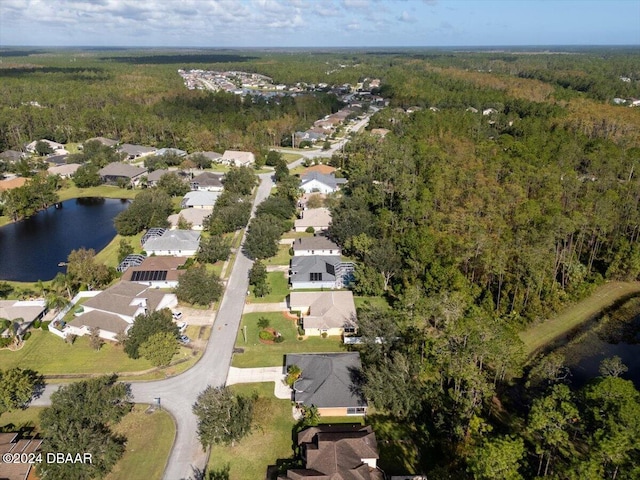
(146, 326)
(43, 148)
(160, 348)
(17, 386)
(240, 180)
(213, 249)
(95, 341)
(258, 278)
(87, 176)
(173, 185)
(199, 287)
(80, 419)
(262, 237)
(223, 418)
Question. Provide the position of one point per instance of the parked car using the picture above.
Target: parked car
(182, 326)
(177, 315)
(184, 339)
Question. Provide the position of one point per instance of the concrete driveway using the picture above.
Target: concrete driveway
(259, 375)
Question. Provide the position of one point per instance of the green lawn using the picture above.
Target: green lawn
(269, 440)
(16, 419)
(109, 254)
(149, 441)
(281, 258)
(279, 289)
(48, 354)
(107, 191)
(549, 330)
(379, 302)
(257, 354)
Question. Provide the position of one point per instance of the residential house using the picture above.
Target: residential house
(11, 156)
(21, 312)
(316, 245)
(170, 151)
(200, 199)
(238, 158)
(213, 156)
(195, 216)
(107, 142)
(134, 152)
(131, 260)
(329, 381)
(114, 309)
(57, 148)
(320, 168)
(348, 451)
(11, 183)
(309, 136)
(177, 243)
(317, 218)
(12, 443)
(65, 171)
(156, 271)
(316, 272)
(154, 177)
(318, 182)
(57, 159)
(207, 181)
(117, 171)
(331, 313)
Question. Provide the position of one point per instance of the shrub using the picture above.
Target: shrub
(300, 338)
(5, 324)
(265, 335)
(71, 338)
(37, 323)
(300, 331)
(263, 322)
(26, 336)
(45, 326)
(323, 334)
(279, 339)
(310, 230)
(5, 342)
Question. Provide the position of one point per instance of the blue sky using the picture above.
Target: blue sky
(318, 23)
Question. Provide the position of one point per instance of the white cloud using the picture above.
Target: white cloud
(407, 17)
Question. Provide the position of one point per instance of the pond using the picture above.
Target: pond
(617, 334)
(31, 249)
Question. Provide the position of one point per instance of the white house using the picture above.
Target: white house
(194, 216)
(58, 148)
(238, 158)
(316, 245)
(177, 243)
(333, 313)
(319, 182)
(200, 199)
(114, 309)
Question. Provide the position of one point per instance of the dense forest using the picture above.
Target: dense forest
(506, 188)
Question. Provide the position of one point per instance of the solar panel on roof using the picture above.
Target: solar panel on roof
(149, 276)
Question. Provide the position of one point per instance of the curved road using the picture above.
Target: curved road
(177, 394)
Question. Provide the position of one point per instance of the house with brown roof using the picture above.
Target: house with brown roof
(238, 158)
(11, 183)
(320, 168)
(194, 216)
(12, 443)
(114, 309)
(337, 452)
(329, 381)
(65, 171)
(157, 271)
(331, 313)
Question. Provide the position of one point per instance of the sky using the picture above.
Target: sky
(318, 23)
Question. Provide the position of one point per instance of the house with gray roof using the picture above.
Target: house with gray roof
(170, 151)
(65, 171)
(11, 155)
(316, 245)
(207, 181)
(213, 156)
(319, 272)
(177, 243)
(332, 313)
(135, 151)
(330, 381)
(340, 452)
(107, 142)
(154, 177)
(319, 182)
(114, 309)
(200, 199)
(118, 171)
